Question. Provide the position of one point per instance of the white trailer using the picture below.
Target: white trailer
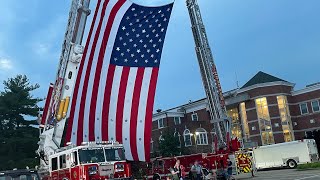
(288, 154)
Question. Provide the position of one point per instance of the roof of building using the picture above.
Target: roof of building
(262, 77)
(307, 89)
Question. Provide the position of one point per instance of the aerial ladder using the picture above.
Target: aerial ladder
(54, 120)
(210, 78)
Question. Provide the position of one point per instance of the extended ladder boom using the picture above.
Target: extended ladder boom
(73, 36)
(55, 117)
(209, 74)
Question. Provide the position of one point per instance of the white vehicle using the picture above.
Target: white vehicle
(288, 154)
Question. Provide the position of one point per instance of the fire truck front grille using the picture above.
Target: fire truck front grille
(106, 170)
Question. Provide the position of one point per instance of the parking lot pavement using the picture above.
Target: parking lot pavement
(285, 174)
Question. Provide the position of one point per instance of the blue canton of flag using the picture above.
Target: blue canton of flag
(140, 37)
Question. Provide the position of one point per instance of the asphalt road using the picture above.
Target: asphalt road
(284, 174)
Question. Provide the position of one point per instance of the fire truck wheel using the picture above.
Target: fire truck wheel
(156, 177)
(292, 163)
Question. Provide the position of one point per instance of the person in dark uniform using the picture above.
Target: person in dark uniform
(229, 169)
(196, 169)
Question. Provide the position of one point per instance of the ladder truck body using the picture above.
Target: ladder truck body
(90, 160)
(54, 120)
(209, 76)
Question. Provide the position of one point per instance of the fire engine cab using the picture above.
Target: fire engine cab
(90, 161)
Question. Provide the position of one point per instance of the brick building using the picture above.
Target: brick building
(266, 110)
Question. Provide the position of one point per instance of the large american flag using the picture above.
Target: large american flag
(115, 87)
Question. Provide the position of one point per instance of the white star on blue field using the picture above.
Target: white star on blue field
(278, 37)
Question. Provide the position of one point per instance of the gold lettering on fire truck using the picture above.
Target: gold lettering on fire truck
(75, 174)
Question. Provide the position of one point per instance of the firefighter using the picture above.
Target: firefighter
(196, 170)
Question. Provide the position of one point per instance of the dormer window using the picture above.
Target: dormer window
(194, 117)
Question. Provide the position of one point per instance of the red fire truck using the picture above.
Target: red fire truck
(90, 161)
(160, 167)
(212, 163)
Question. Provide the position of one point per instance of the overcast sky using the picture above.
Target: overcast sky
(281, 38)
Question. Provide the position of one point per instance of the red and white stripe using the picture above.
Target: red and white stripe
(46, 106)
(112, 103)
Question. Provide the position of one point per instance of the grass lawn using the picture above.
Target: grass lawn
(315, 165)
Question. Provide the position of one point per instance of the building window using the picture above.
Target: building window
(264, 121)
(283, 107)
(304, 108)
(63, 161)
(75, 157)
(187, 138)
(243, 115)
(315, 106)
(194, 117)
(177, 120)
(309, 134)
(54, 163)
(201, 137)
(160, 123)
(214, 140)
(285, 118)
(262, 108)
(235, 125)
(267, 137)
(177, 135)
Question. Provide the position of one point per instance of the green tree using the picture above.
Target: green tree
(16, 102)
(17, 148)
(169, 145)
(18, 140)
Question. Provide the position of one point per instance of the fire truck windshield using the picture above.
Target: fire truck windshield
(91, 155)
(115, 154)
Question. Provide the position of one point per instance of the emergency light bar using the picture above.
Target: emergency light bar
(100, 143)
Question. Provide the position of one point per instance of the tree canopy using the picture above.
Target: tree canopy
(16, 102)
(18, 140)
(169, 145)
